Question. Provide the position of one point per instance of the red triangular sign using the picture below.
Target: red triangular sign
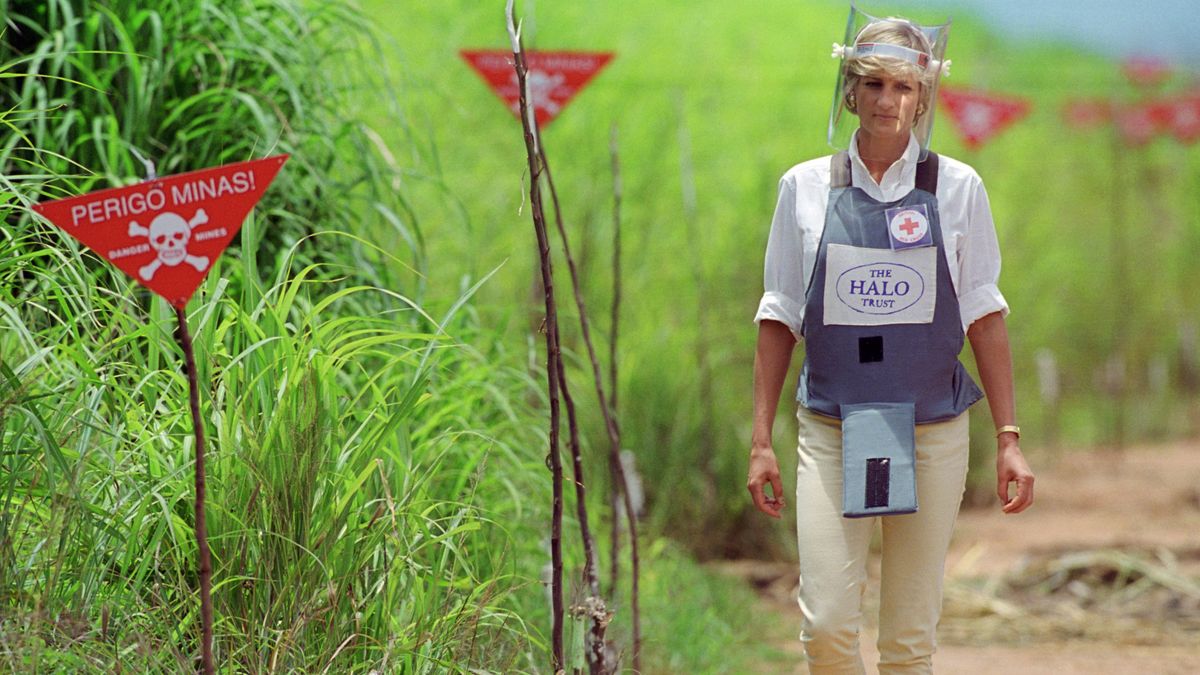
(554, 77)
(1146, 71)
(167, 233)
(980, 115)
(1139, 122)
(1184, 118)
(1087, 113)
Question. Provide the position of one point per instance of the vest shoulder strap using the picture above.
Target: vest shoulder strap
(927, 174)
(839, 170)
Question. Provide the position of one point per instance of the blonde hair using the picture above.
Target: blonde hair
(896, 32)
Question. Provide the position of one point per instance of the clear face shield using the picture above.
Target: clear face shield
(894, 46)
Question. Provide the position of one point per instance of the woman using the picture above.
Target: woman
(880, 258)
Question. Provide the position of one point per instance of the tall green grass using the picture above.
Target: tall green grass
(368, 475)
(377, 492)
(361, 475)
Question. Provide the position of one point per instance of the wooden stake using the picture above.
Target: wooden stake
(614, 463)
(598, 612)
(206, 613)
(552, 344)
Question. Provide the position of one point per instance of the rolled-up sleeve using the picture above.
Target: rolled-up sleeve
(783, 282)
(979, 261)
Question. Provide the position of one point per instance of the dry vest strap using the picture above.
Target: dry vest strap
(927, 172)
(839, 170)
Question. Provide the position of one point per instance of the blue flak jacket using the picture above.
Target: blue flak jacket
(882, 333)
(884, 359)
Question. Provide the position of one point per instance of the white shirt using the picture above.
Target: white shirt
(972, 252)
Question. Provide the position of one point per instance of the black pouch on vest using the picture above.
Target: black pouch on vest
(879, 476)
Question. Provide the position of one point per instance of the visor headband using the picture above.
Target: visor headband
(913, 56)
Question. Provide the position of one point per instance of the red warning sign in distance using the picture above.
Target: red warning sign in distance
(1087, 113)
(1146, 71)
(979, 115)
(554, 77)
(167, 233)
(1183, 117)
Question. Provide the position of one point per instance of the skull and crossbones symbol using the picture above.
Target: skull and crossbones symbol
(541, 85)
(169, 235)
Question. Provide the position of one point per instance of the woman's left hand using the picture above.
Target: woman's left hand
(1011, 467)
(989, 341)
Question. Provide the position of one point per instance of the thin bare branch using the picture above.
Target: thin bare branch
(593, 607)
(553, 357)
(614, 463)
(205, 571)
(610, 422)
(614, 148)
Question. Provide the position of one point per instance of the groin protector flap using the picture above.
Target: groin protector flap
(878, 459)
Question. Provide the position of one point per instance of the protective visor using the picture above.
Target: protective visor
(871, 44)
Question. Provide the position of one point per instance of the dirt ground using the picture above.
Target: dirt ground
(1101, 576)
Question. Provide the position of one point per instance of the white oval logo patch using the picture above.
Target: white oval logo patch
(880, 288)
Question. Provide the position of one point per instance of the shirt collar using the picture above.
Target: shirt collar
(898, 180)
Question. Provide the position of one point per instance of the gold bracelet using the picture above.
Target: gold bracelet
(1009, 427)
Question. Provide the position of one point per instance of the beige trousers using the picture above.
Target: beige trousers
(833, 551)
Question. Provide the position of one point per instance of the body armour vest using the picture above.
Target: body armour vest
(881, 319)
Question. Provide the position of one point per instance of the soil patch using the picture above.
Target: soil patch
(1101, 576)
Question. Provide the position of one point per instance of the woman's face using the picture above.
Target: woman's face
(887, 105)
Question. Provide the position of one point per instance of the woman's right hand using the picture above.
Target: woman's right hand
(764, 469)
(771, 359)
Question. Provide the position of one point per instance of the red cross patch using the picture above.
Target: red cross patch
(908, 226)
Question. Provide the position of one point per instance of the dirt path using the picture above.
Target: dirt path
(1101, 577)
